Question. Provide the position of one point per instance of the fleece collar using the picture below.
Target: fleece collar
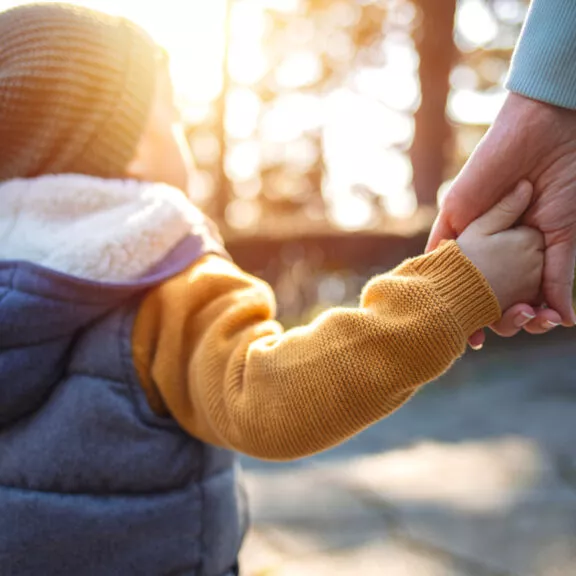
(103, 230)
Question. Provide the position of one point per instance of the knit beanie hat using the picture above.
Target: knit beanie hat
(76, 88)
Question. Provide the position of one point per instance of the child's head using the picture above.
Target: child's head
(83, 92)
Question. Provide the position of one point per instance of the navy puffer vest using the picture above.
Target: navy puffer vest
(92, 482)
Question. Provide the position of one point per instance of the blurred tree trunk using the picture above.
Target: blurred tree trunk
(223, 185)
(431, 147)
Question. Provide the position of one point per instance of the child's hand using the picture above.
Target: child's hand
(511, 259)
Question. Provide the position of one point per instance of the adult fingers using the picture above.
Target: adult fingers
(516, 318)
(441, 230)
(504, 156)
(513, 320)
(545, 321)
(559, 262)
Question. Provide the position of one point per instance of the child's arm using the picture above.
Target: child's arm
(228, 373)
(209, 352)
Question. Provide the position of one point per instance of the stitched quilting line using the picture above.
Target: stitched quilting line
(126, 495)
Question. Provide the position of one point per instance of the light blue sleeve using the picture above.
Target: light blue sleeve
(544, 63)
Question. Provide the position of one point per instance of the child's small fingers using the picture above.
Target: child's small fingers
(507, 212)
(476, 341)
(534, 238)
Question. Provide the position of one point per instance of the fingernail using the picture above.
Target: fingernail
(522, 319)
(476, 346)
(550, 324)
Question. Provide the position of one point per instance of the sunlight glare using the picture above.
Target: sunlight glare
(247, 58)
(282, 5)
(464, 77)
(201, 186)
(403, 204)
(247, 64)
(301, 153)
(249, 189)
(396, 83)
(470, 107)
(353, 120)
(343, 14)
(242, 113)
(475, 22)
(359, 134)
(299, 69)
(290, 116)
(242, 213)
(205, 147)
(346, 210)
(365, 129)
(243, 160)
(192, 32)
(513, 11)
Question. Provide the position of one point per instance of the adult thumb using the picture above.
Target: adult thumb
(508, 211)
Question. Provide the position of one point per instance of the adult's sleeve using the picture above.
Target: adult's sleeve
(544, 62)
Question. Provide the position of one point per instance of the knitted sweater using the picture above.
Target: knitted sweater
(135, 356)
(205, 344)
(209, 352)
(544, 63)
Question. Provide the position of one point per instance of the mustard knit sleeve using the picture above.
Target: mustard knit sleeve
(209, 352)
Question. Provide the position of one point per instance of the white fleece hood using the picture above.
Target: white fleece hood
(103, 230)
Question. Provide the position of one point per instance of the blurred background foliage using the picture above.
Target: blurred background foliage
(338, 126)
(347, 114)
(324, 131)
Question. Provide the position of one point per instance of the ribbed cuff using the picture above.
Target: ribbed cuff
(544, 63)
(461, 286)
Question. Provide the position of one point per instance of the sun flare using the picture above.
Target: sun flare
(366, 124)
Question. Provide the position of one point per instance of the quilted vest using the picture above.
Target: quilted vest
(92, 482)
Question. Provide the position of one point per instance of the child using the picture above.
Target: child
(136, 358)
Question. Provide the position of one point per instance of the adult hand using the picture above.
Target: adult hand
(534, 141)
(535, 320)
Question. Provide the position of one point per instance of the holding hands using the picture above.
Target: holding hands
(535, 142)
(510, 258)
